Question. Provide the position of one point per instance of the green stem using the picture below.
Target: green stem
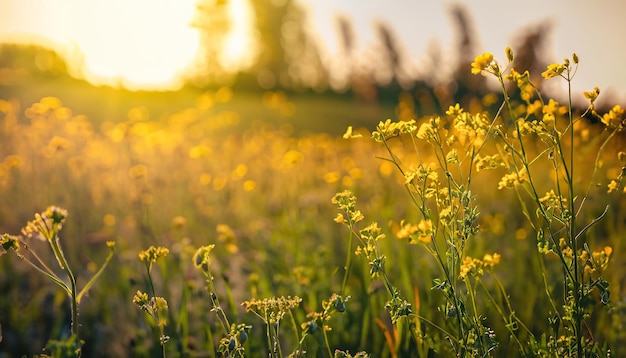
(348, 260)
(94, 277)
(503, 315)
(156, 311)
(58, 252)
(572, 225)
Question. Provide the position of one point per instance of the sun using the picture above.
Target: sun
(139, 44)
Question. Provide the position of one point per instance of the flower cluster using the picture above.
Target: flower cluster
(482, 63)
(271, 310)
(511, 180)
(336, 303)
(347, 201)
(488, 162)
(615, 118)
(153, 253)
(46, 224)
(429, 130)
(389, 129)
(8, 242)
(156, 307)
(370, 235)
(476, 267)
(201, 258)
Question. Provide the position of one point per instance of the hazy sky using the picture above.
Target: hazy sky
(146, 42)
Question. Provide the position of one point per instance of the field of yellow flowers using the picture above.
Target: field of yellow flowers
(267, 200)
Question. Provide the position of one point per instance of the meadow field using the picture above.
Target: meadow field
(475, 232)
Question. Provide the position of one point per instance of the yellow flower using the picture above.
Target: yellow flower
(509, 54)
(512, 179)
(613, 118)
(553, 70)
(454, 110)
(612, 186)
(349, 134)
(491, 260)
(593, 95)
(8, 242)
(153, 253)
(406, 230)
(481, 63)
(202, 256)
(46, 224)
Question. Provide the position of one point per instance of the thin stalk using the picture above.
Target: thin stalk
(572, 225)
(94, 277)
(58, 252)
(504, 317)
(472, 297)
(156, 311)
(348, 264)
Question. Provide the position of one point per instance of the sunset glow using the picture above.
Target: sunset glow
(139, 44)
(148, 44)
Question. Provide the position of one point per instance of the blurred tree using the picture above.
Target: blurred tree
(393, 67)
(288, 56)
(342, 68)
(530, 50)
(214, 23)
(465, 85)
(22, 63)
(284, 54)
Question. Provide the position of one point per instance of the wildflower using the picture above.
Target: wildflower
(593, 95)
(201, 257)
(471, 126)
(425, 229)
(612, 186)
(476, 267)
(153, 253)
(481, 63)
(509, 54)
(613, 119)
(406, 230)
(390, 129)
(488, 162)
(445, 215)
(271, 310)
(520, 78)
(349, 134)
(512, 179)
(468, 266)
(46, 224)
(160, 305)
(548, 112)
(429, 130)
(347, 202)
(490, 260)
(372, 232)
(553, 70)
(8, 242)
(455, 110)
(551, 200)
(141, 300)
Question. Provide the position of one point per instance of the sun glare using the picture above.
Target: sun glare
(142, 43)
(239, 51)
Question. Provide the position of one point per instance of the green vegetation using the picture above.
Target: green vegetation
(475, 233)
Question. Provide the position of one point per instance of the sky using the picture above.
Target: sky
(148, 43)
